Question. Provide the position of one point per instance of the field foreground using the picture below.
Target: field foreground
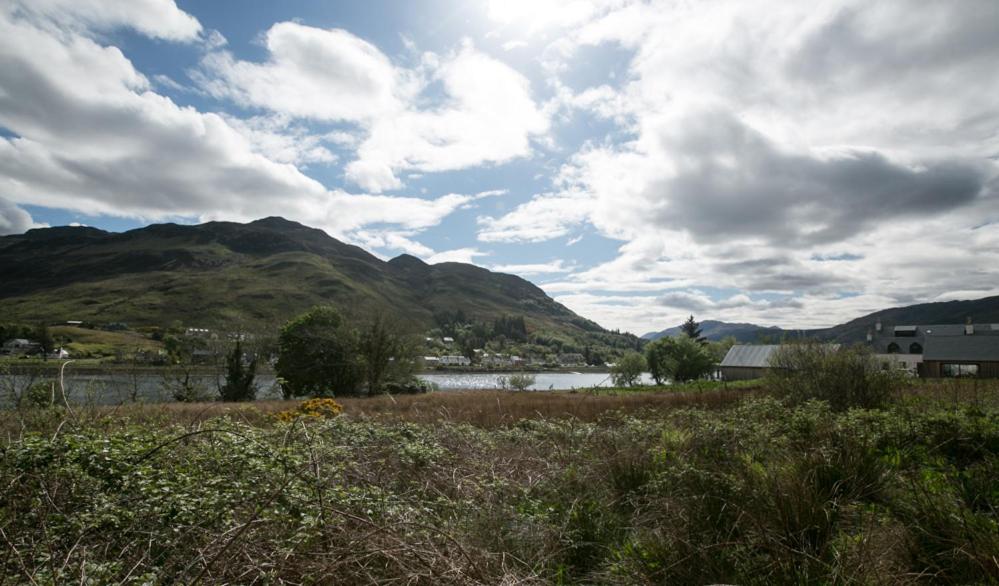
(508, 488)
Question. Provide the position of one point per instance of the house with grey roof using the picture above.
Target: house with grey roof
(746, 361)
(958, 356)
(938, 350)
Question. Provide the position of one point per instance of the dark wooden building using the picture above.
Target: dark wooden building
(959, 356)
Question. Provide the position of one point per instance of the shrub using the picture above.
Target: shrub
(318, 408)
(38, 395)
(412, 386)
(628, 370)
(844, 377)
(680, 359)
(517, 382)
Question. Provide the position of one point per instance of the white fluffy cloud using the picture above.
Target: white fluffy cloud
(465, 255)
(546, 268)
(762, 139)
(312, 73)
(91, 136)
(159, 19)
(449, 112)
(14, 220)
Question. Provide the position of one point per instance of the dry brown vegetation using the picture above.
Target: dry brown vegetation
(488, 409)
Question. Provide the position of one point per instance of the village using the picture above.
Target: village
(925, 351)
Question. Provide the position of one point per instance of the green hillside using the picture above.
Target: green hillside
(226, 275)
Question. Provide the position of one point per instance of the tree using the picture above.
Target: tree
(387, 354)
(720, 348)
(44, 338)
(518, 382)
(628, 370)
(692, 330)
(679, 359)
(239, 376)
(317, 355)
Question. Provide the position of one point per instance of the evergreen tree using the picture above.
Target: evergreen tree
(239, 376)
(692, 329)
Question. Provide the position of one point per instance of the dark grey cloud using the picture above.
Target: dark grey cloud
(732, 181)
(699, 302)
(866, 45)
(780, 273)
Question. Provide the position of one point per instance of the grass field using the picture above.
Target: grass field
(680, 487)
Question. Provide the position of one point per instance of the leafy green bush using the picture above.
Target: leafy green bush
(844, 377)
(517, 381)
(763, 492)
(679, 359)
(412, 386)
(628, 369)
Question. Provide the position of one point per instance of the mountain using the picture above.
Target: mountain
(985, 310)
(716, 330)
(226, 274)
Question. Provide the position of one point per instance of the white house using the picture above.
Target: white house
(455, 361)
(59, 354)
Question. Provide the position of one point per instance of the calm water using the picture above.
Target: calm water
(111, 389)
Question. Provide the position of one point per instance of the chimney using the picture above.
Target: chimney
(969, 328)
(870, 336)
(877, 326)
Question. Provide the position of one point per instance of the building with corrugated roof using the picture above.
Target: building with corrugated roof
(745, 361)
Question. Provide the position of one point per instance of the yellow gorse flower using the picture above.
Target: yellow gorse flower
(319, 408)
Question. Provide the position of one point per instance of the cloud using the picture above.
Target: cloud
(14, 220)
(555, 266)
(755, 143)
(700, 302)
(160, 19)
(543, 218)
(282, 141)
(449, 112)
(90, 135)
(465, 255)
(487, 116)
(321, 74)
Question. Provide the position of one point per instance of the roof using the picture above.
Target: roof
(751, 356)
(967, 348)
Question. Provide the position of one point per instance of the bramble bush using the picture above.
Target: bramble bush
(762, 491)
(843, 377)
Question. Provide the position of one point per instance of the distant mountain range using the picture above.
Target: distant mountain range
(259, 274)
(717, 330)
(985, 310)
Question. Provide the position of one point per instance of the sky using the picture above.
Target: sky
(782, 163)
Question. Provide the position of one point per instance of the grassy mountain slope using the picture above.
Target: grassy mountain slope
(223, 274)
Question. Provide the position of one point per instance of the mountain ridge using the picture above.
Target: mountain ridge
(983, 310)
(257, 274)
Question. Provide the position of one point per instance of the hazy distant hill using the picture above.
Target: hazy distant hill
(985, 310)
(260, 273)
(716, 330)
